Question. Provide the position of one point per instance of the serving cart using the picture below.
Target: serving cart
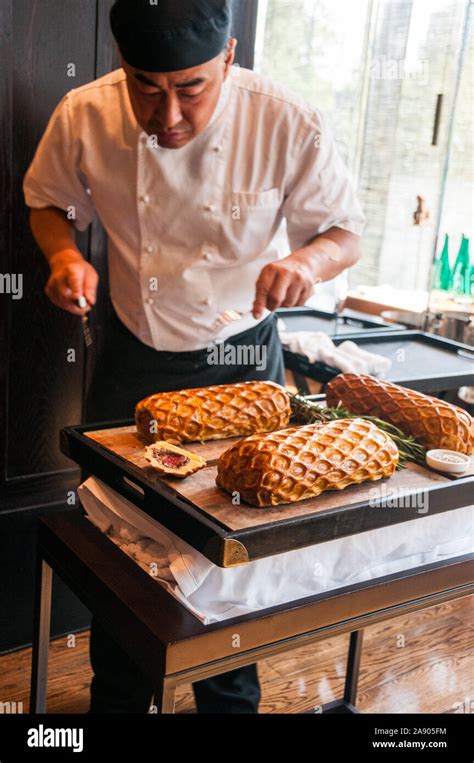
(163, 637)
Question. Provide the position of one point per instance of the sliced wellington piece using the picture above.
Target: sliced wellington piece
(432, 422)
(172, 460)
(301, 462)
(212, 413)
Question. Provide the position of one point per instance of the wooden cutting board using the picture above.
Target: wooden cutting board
(200, 488)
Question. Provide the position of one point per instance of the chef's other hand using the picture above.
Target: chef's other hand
(71, 277)
(283, 283)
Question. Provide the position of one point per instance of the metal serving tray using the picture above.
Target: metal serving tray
(204, 516)
(420, 361)
(309, 319)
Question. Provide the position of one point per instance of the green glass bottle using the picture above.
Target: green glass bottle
(462, 269)
(467, 275)
(442, 269)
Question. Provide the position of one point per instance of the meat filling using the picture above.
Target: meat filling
(170, 458)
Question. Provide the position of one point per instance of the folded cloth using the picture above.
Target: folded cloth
(159, 552)
(214, 594)
(347, 357)
(378, 365)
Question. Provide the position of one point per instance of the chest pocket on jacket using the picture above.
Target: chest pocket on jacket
(254, 217)
(256, 200)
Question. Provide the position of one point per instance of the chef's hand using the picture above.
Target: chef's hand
(284, 283)
(71, 277)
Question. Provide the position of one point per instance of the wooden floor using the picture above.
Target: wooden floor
(419, 663)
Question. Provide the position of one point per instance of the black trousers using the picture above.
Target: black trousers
(127, 371)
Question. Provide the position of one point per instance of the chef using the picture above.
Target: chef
(191, 164)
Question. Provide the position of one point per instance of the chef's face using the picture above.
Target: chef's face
(177, 106)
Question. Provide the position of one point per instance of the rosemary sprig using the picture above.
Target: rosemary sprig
(311, 412)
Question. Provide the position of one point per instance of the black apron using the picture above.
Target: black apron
(128, 370)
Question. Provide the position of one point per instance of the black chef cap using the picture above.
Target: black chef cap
(169, 35)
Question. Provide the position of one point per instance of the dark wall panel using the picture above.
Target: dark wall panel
(43, 389)
(40, 392)
(244, 29)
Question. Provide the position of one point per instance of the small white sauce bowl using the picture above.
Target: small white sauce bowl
(449, 461)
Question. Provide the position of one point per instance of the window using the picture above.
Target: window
(381, 70)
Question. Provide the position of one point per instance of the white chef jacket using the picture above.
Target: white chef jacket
(190, 229)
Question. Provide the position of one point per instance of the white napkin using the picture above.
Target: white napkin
(214, 594)
(347, 357)
(378, 365)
